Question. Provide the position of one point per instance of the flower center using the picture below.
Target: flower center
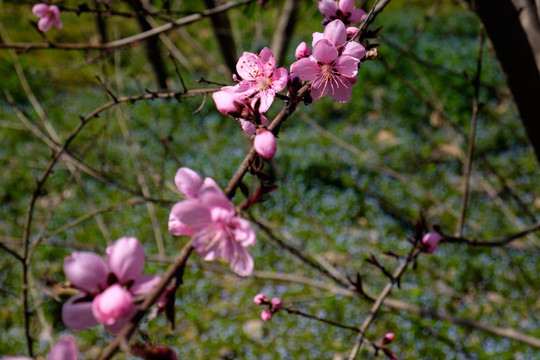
(263, 83)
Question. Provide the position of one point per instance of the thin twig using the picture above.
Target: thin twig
(472, 134)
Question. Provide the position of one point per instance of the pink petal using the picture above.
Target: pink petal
(64, 349)
(324, 52)
(347, 65)
(112, 304)
(86, 271)
(243, 232)
(266, 315)
(188, 181)
(341, 92)
(265, 99)
(213, 199)
(57, 23)
(248, 127)
(354, 49)
(45, 23)
(346, 5)
(126, 259)
(317, 36)
(40, 9)
(280, 79)
(78, 315)
(431, 241)
(318, 89)
(228, 102)
(208, 243)
(328, 7)
(144, 284)
(335, 32)
(306, 68)
(265, 143)
(238, 258)
(248, 66)
(188, 216)
(357, 15)
(120, 323)
(267, 61)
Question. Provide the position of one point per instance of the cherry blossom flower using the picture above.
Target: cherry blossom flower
(108, 287)
(64, 349)
(343, 10)
(274, 306)
(333, 66)
(265, 143)
(430, 241)
(49, 15)
(260, 79)
(218, 232)
(266, 315)
(388, 338)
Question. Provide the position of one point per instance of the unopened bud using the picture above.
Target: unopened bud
(430, 241)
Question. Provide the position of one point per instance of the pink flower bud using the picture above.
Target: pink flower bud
(86, 271)
(260, 299)
(302, 51)
(64, 349)
(126, 259)
(430, 241)
(351, 31)
(113, 304)
(388, 337)
(276, 304)
(228, 103)
(265, 143)
(266, 315)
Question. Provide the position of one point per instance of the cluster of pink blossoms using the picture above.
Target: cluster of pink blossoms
(274, 306)
(49, 15)
(209, 216)
(108, 288)
(248, 100)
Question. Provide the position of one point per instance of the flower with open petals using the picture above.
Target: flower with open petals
(64, 349)
(343, 10)
(333, 66)
(216, 229)
(260, 79)
(108, 287)
(49, 15)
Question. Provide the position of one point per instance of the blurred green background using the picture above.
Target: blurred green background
(352, 178)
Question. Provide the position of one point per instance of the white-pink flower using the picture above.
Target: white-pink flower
(343, 10)
(49, 15)
(108, 287)
(260, 79)
(218, 232)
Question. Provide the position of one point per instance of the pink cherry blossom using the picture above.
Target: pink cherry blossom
(276, 304)
(430, 241)
(266, 315)
(260, 79)
(333, 66)
(107, 286)
(218, 233)
(343, 10)
(265, 143)
(49, 15)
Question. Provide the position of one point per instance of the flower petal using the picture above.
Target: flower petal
(306, 68)
(188, 181)
(113, 304)
(144, 284)
(347, 65)
(280, 79)
(248, 66)
(238, 258)
(40, 9)
(78, 315)
(354, 49)
(328, 7)
(324, 52)
(357, 15)
(64, 349)
(346, 5)
(126, 259)
(267, 61)
(187, 217)
(243, 232)
(86, 271)
(336, 33)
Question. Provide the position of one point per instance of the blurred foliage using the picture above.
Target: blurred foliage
(352, 178)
